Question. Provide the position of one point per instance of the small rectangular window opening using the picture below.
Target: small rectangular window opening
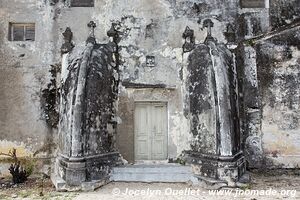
(21, 31)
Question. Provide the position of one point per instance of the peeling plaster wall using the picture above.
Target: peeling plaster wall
(162, 38)
(250, 105)
(24, 73)
(26, 76)
(149, 28)
(284, 12)
(279, 74)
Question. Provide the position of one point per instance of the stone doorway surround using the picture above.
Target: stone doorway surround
(169, 95)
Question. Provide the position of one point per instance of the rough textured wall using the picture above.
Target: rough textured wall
(148, 28)
(278, 61)
(267, 54)
(283, 12)
(24, 74)
(87, 118)
(213, 100)
(204, 122)
(250, 105)
(157, 31)
(87, 125)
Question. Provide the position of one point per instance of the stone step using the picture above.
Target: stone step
(152, 173)
(152, 169)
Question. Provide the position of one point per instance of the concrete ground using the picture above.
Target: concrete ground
(268, 187)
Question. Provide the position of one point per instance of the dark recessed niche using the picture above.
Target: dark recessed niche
(150, 61)
(82, 3)
(252, 3)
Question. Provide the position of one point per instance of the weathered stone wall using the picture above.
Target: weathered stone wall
(24, 73)
(279, 75)
(250, 105)
(150, 28)
(266, 50)
(284, 12)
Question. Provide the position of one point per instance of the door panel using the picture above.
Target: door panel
(142, 148)
(159, 124)
(150, 131)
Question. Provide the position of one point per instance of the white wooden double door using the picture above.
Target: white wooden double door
(150, 125)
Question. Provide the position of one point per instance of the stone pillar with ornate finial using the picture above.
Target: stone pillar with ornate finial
(87, 126)
(211, 78)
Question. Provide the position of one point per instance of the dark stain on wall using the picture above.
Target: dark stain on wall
(50, 99)
(101, 95)
(199, 62)
(270, 54)
(283, 12)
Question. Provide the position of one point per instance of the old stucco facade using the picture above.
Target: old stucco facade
(264, 42)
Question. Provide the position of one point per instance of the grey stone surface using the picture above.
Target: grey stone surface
(213, 99)
(152, 173)
(264, 42)
(89, 92)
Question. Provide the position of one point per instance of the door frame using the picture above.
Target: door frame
(166, 103)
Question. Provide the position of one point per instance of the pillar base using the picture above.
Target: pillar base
(226, 170)
(84, 173)
(61, 185)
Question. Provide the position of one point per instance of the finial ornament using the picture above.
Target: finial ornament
(67, 46)
(189, 43)
(113, 33)
(92, 25)
(208, 24)
(91, 39)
